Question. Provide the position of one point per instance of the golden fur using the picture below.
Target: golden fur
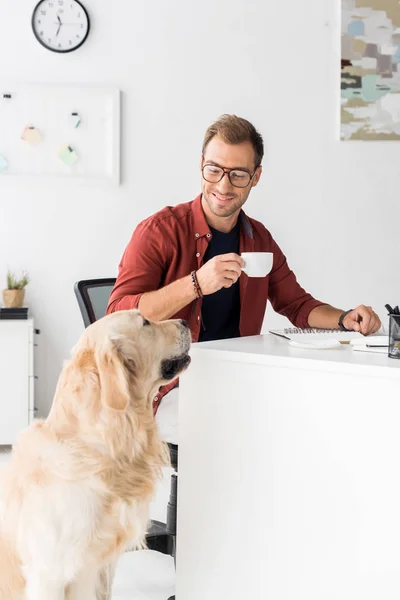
(77, 489)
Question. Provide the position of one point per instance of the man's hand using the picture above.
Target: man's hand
(362, 319)
(221, 271)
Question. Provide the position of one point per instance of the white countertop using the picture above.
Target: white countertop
(272, 350)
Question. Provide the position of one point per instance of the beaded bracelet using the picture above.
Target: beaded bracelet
(196, 285)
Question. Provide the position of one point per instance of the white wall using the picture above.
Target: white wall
(332, 206)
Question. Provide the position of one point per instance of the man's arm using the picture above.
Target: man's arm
(288, 298)
(142, 266)
(324, 317)
(221, 271)
(286, 295)
(362, 319)
(142, 270)
(164, 303)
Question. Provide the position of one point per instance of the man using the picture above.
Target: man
(184, 261)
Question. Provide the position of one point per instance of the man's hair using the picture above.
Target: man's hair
(235, 130)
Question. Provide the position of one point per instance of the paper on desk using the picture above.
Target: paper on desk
(375, 349)
(316, 344)
(372, 344)
(371, 340)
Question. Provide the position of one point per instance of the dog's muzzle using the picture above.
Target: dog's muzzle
(172, 367)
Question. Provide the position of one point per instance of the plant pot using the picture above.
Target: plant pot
(13, 298)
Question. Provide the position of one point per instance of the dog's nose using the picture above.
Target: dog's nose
(184, 323)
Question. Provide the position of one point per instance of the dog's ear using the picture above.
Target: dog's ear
(114, 375)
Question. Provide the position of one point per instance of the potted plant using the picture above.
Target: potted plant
(14, 295)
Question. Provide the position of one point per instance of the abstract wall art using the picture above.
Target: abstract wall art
(370, 70)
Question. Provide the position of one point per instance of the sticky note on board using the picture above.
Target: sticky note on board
(74, 120)
(31, 135)
(67, 155)
(3, 164)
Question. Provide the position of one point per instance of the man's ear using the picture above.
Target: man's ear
(114, 377)
(257, 176)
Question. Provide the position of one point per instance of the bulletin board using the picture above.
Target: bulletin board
(65, 132)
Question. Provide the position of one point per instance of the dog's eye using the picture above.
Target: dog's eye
(146, 322)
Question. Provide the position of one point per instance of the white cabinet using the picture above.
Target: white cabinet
(17, 378)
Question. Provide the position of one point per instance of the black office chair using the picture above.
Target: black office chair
(92, 296)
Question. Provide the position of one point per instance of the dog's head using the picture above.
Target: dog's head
(134, 356)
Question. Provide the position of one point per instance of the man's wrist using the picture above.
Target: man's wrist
(196, 286)
(341, 319)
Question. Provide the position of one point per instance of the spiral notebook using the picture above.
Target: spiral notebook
(316, 335)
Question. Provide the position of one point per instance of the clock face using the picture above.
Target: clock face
(60, 25)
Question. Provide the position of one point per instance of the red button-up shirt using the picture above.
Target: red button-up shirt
(171, 243)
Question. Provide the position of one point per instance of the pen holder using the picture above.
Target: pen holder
(394, 336)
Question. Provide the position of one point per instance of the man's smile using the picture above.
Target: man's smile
(223, 199)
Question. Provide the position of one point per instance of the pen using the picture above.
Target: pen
(389, 309)
(372, 346)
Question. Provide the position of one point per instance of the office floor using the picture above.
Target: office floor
(144, 575)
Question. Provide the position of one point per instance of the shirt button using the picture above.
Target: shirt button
(197, 254)
(196, 235)
(198, 318)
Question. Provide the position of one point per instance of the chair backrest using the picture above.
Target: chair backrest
(92, 296)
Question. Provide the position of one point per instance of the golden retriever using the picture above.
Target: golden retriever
(77, 489)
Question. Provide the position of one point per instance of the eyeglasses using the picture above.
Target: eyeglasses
(237, 177)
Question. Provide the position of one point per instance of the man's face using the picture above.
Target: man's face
(222, 198)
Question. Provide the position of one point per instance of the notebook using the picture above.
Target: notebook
(309, 336)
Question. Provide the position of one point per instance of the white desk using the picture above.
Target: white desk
(289, 473)
(16, 378)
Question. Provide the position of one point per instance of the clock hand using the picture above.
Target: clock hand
(59, 27)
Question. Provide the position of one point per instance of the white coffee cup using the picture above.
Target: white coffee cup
(257, 264)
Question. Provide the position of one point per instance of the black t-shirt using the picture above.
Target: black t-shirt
(220, 313)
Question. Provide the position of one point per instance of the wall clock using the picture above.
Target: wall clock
(60, 25)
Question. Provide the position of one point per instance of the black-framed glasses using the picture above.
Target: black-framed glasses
(237, 177)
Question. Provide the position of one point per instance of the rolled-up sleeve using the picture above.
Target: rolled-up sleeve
(141, 268)
(286, 295)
